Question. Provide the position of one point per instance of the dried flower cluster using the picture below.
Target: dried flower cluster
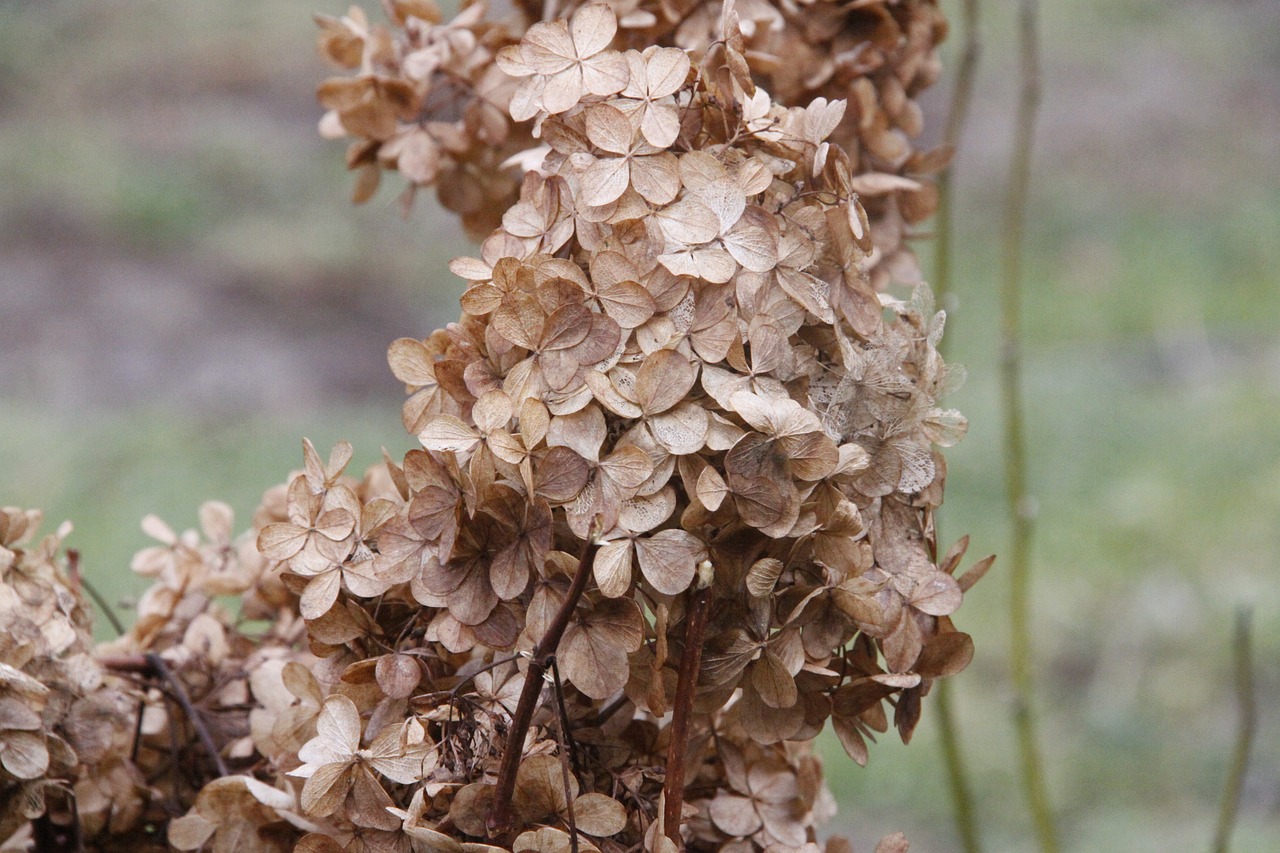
(672, 511)
(453, 104)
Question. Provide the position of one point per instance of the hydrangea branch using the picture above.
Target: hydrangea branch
(73, 569)
(179, 691)
(499, 818)
(690, 339)
(1021, 506)
(686, 688)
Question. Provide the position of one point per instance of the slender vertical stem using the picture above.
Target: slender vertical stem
(962, 803)
(499, 819)
(957, 779)
(565, 774)
(179, 691)
(1020, 504)
(73, 569)
(1242, 651)
(957, 115)
(695, 633)
(564, 720)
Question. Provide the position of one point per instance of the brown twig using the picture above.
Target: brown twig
(50, 836)
(153, 664)
(193, 714)
(1242, 651)
(695, 633)
(73, 569)
(499, 819)
(1019, 502)
(957, 115)
(565, 773)
(564, 719)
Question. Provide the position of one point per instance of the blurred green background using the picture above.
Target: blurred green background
(185, 293)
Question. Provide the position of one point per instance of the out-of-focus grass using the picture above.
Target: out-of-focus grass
(105, 470)
(1152, 391)
(1152, 379)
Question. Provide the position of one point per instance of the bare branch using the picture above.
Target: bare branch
(499, 819)
(677, 750)
(179, 690)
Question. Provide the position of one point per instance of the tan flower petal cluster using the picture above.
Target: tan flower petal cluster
(427, 100)
(62, 717)
(672, 512)
(456, 105)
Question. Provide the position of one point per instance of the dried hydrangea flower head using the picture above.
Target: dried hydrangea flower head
(672, 510)
(674, 397)
(63, 720)
(453, 104)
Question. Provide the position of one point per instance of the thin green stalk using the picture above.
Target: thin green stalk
(957, 115)
(962, 803)
(957, 779)
(1242, 649)
(1020, 505)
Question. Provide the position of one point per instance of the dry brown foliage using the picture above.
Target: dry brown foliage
(673, 510)
(449, 104)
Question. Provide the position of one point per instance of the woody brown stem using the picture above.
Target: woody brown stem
(562, 732)
(153, 666)
(50, 836)
(695, 634)
(179, 691)
(499, 819)
(564, 720)
(73, 569)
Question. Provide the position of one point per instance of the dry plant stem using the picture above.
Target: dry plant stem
(499, 819)
(73, 568)
(561, 734)
(957, 777)
(1242, 652)
(564, 721)
(152, 666)
(1020, 505)
(957, 115)
(162, 671)
(51, 837)
(695, 635)
(961, 97)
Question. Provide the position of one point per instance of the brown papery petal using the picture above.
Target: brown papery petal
(599, 815)
(656, 177)
(776, 686)
(664, 379)
(628, 467)
(669, 559)
(938, 595)
(612, 568)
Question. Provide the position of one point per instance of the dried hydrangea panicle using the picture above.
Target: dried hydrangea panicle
(672, 510)
(671, 362)
(62, 717)
(455, 104)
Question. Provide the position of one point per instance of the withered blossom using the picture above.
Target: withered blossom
(672, 509)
